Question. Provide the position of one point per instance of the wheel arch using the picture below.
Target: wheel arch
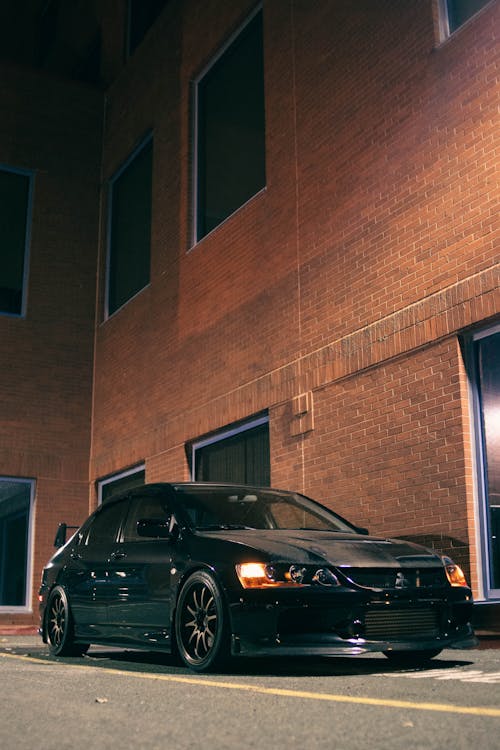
(204, 567)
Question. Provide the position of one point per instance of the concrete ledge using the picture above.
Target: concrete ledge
(18, 630)
(486, 619)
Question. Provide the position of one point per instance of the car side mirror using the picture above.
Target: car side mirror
(362, 530)
(60, 538)
(61, 534)
(154, 528)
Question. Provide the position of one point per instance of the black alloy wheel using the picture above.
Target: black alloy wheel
(201, 623)
(412, 658)
(59, 626)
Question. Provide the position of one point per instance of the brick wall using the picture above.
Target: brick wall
(374, 244)
(375, 235)
(387, 449)
(52, 128)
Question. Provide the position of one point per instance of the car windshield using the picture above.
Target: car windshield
(219, 508)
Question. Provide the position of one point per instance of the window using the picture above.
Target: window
(230, 129)
(108, 488)
(238, 454)
(130, 228)
(16, 500)
(482, 356)
(47, 29)
(454, 13)
(104, 527)
(486, 378)
(15, 216)
(141, 15)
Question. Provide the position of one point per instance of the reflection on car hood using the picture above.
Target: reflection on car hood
(332, 548)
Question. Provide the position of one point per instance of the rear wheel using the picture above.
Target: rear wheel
(412, 658)
(60, 627)
(201, 623)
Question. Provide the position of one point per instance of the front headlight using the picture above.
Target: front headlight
(454, 572)
(258, 575)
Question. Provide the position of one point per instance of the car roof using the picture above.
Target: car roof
(162, 486)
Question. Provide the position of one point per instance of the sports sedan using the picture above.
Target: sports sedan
(207, 571)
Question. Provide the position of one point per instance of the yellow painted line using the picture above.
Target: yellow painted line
(282, 692)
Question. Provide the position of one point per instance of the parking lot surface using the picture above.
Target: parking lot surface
(115, 698)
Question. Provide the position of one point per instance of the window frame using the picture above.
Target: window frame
(27, 607)
(148, 138)
(30, 174)
(443, 15)
(195, 161)
(482, 540)
(138, 469)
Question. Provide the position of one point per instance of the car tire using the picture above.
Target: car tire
(59, 626)
(201, 623)
(412, 658)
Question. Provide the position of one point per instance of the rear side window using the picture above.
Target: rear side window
(104, 528)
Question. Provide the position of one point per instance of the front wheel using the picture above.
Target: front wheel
(60, 628)
(201, 623)
(412, 658)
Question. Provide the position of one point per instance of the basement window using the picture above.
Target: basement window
(239, 453)
(121, 482)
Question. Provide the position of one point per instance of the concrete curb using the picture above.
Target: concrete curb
(18, 630)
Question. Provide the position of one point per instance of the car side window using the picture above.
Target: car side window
(105, 525)
(153, 506)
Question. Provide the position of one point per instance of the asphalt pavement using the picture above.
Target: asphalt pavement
(114, 698)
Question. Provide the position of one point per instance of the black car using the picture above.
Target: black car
(213, 570)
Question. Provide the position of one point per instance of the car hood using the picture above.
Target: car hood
(331, 548)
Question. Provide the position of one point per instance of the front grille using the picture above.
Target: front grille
(390, 578)
(401, 623)
(305, 620)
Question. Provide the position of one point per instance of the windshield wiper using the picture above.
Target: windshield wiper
(223, 527)
(315, 528)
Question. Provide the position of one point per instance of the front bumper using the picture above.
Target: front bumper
(349, 622)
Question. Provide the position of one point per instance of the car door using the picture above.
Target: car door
(139, 576)
(87, 574)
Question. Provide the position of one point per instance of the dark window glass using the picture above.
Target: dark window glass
(141, 15)
(15, 503)
(104, 527)
(47, 29)
(488, 351)
(14, 203)
(242, 458)
(88, 66)
(129, 252)
(110, 489)
(231, 129)
(222, 507)
(459, 11)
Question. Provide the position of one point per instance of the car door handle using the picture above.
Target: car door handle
(117, 555)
